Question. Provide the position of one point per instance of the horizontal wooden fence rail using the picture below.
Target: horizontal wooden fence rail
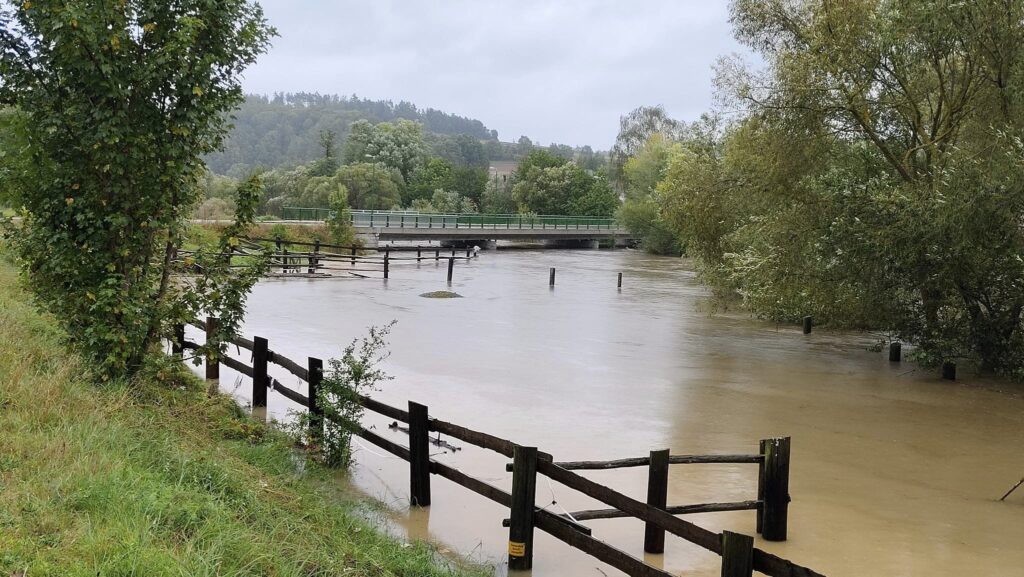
(739, 556)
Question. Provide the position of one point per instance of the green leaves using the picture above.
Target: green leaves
(121, 100)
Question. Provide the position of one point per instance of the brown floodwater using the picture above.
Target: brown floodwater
(894, 471)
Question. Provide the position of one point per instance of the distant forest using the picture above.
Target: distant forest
(284, 130)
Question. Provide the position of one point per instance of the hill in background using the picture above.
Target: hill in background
(284, 130)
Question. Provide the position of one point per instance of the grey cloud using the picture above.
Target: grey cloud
(555, 71)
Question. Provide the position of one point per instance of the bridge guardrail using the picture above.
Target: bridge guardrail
(412, 219)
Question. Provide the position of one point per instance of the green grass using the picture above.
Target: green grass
(155, 478)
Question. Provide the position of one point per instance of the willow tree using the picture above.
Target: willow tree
(874, 176)
(123, 99)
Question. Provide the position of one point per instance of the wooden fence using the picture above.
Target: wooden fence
(739, 556)
(319, 259)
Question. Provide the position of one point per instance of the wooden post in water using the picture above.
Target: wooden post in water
(763, 451)
(259, 371)
(808, 323)
(387, 257)
(285, 260)
(437, 255)
(776, 490)
(469, 252)
(657, 496)
(315, 367)
(524, 494)
(451, 268)
(895, 352)
(620, 280)
(949, 370)
(178, 343)
(737, 555)
(353, 256)
(419, 455)
(419, 254)
(313, 260)
(551, 277)
(212, 356)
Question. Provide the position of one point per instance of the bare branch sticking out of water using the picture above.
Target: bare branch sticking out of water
(1014, 488)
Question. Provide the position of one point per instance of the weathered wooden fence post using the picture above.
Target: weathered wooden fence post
(737, 554)
(895, 352)
(419, 254)
(763, 451)
(437, 255)
(419, 455)
(387, 259)
(212, 354)
(808, 324)
(259, 371)
(524, 494)
(453, 251)
(620, 280)
(285, 260)
(178, 343)
(776, 490)
(313, 260)
(469, 252)
(451, 269)
(949, 370)
(353, 256)
(657, 496)
(315, 367)
(551, 277)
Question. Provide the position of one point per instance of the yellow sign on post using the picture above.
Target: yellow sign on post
(516, 549)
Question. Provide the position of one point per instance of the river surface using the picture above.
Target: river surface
(894, 471)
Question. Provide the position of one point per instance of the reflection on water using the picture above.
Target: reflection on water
(894, 472)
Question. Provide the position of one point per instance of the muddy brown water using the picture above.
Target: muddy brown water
(894, 471)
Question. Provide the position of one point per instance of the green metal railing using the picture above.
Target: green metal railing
(413, 219)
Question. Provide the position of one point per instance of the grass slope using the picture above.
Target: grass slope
(158, 479)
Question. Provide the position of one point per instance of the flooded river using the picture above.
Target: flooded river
(894, 472)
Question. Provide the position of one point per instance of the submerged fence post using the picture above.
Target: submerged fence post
(524, 493)
(259, 371)
(763, 451)
(776, 490)
(551, 277)
(313, 260)
(387, 258)
(657, 496)
(949, 371)
(315, 367)
(178, 342)
(895, 352)
(419, 455)
(212, 355)
(620, 280)
(451, 268)
(808, 323)
(419, 254)
(737, 554)
(353, 256)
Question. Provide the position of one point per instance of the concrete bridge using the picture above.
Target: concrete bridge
(482, 229)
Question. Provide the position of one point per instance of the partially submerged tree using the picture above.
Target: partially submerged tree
(122, 100)
(875, 178)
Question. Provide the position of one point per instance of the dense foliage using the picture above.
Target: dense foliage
(120, 101)
(872, 176)
(284, 130)
(547, 184)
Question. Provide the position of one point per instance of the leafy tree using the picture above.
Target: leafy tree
(635, 129)
(546, 184)
(469, 182)
(397, 145)
(874, 179)
(329, 162)
(15, 161)
(436, 173)
(371, 186)
(497, 198)
(122, 99)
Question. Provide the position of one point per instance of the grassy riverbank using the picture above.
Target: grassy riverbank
(158, 479)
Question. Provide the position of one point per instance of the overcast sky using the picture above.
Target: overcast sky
(556, 70)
